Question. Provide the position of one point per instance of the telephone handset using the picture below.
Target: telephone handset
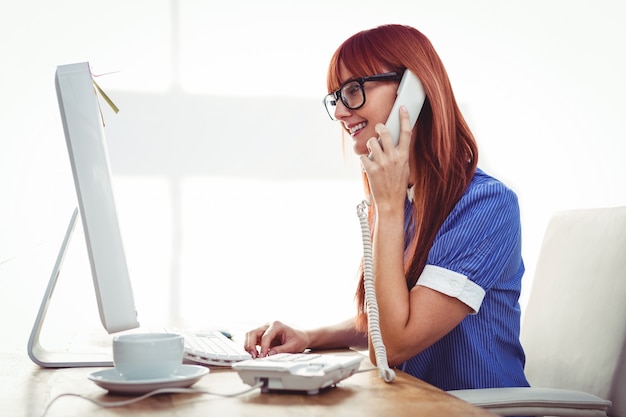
(411, 95)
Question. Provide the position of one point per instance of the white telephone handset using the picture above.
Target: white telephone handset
(411, 95)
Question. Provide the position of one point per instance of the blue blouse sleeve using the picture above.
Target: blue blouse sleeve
(481, 238)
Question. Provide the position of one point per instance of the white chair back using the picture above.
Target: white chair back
(574, 329)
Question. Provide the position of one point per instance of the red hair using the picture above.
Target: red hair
(444, 153)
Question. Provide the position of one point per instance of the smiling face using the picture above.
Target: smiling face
(360, 123)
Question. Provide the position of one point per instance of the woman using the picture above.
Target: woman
(447, 252)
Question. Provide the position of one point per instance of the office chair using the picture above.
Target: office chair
(574, 327)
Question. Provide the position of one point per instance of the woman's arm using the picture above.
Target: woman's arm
(340, 335)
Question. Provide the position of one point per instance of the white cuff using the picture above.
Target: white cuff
(452, 284)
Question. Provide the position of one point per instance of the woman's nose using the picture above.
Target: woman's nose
(341, 110)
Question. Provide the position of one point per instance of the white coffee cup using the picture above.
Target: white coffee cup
(148, 355)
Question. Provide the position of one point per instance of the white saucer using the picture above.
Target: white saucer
(185, 376)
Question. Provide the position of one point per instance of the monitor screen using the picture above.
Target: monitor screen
(84, 135)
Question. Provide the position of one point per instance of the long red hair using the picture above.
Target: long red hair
(444, 152)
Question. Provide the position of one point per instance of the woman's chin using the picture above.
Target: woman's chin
(360, 148)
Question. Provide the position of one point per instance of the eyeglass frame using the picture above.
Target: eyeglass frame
(336, 95)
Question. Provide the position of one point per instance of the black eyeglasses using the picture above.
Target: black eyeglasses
(352, 93)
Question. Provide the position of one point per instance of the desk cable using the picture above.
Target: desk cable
(130, 401)
(112, 404)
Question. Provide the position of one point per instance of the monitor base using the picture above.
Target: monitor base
(57, 359)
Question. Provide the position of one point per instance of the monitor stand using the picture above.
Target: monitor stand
(61, 359)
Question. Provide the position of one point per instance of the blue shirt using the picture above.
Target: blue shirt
(476, 257)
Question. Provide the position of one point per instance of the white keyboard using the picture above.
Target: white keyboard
(308, 372)
(212, 348)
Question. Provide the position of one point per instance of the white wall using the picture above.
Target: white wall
(228, 174)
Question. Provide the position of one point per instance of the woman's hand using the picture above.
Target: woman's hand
(387, 166)
(275, 338)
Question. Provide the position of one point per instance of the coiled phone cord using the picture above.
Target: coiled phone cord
(386, 373)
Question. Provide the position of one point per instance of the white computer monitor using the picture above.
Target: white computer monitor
(85, 139)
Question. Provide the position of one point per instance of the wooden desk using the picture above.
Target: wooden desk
(27, 389)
